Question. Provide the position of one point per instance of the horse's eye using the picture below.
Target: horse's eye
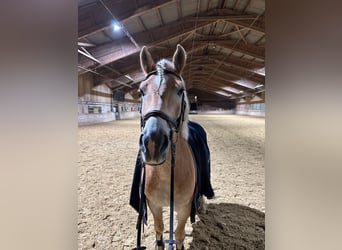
(180, 91)
(141, 92)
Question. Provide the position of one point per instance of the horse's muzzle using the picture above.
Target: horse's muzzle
(154, 143)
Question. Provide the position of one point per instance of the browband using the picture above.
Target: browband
(156, 72)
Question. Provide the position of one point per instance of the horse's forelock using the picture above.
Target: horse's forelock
(165, 64)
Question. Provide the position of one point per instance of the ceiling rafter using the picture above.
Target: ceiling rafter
(160, 17)
(122, 47)
(145, 28)
(212, 90)
(236, 3)
(88, 26)
(246, 6)
(132, 65)
(221, 4)
(234, 61)
(241, 20)
(223, 74)
(242, 65)
(110, 52)
(219, 83)
(248, 49)
(228, 72)
(179, 9)
(241, 36)
(225, 45)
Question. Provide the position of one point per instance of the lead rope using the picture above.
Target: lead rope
(142, 201)
(141, 209)
(171, 241)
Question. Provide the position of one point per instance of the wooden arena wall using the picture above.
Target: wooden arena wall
(96, 103)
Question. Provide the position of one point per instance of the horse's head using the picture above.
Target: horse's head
(164, 104)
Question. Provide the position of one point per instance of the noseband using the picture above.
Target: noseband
(173, 124)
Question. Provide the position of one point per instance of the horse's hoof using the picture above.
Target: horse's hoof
(203, 206)
(202, 210)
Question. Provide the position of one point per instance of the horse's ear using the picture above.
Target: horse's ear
(146, 61)
(179, 58)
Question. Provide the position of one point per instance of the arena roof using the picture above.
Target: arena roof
(224, 40)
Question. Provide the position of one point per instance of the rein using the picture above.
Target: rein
(175, 126)
(171, 241)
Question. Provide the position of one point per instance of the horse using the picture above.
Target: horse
(164, 111)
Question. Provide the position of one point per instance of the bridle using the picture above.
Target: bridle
(173, 124)
(174, 127)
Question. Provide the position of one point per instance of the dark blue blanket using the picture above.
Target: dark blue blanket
(199, 146)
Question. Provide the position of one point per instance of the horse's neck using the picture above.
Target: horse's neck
(181, 141)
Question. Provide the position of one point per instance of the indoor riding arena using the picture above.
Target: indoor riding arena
(224, 78)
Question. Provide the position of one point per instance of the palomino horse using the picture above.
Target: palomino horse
(165, 108)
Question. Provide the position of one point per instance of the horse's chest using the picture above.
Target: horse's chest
(157, 188)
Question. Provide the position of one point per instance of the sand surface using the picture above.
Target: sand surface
(235, 218)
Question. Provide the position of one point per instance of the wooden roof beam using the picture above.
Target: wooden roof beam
(247, 64)
(230, 63)
(240, 20)
(242, 74)
(223, 75)
(220, 86)
(219, 80)
(229, 71)
(132, 65)
(123, 47)
(213, 90)
(89, 25)
(248, 49)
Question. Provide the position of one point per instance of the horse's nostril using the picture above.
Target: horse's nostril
(164, 143)
(143, 143)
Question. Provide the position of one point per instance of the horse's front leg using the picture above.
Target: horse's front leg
(157, 213)
(183, 214)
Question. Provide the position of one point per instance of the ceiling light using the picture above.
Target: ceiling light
(116, 26)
